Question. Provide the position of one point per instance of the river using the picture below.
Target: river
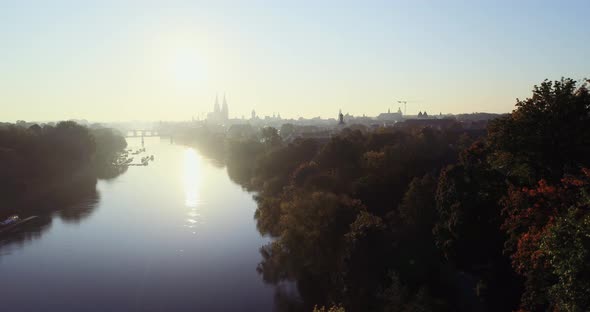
(177, 235)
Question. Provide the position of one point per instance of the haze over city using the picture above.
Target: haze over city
(294, 156)
(166, 60)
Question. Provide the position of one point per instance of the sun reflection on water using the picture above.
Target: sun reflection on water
(192, 180)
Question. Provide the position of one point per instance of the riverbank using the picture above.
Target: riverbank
(176, 235)
(53, 163)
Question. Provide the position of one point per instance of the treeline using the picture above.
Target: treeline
(430, 220)
(39, 162)
(353, 218)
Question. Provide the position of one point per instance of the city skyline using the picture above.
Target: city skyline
(221, 112)
(124, 60)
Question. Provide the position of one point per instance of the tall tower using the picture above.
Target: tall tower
(216, 106)
(224, 109)
(340, 118)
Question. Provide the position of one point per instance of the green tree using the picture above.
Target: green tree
(270, 137)
(311, 240)
(467, 231)
(567, 248)
(546, 136)
(287, 130)
(418, 207)
(549, 242)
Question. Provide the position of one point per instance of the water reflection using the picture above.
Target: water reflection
(72, 199)
(191, 172)
(34, 229)
(135, 250)
(74, 202)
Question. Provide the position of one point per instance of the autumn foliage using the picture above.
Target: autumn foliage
(533, 217)
(424, 219)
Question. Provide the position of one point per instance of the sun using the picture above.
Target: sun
(187, 67)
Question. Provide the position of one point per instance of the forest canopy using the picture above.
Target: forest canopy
(38, 160)
(420, 219)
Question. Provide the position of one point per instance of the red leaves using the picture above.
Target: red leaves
(530, 213)
(528, 255)
(573, 182)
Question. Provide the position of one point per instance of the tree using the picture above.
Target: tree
(311, 240)
(418, 207)
(287, 130)
(332, 308)
(39, 162)
(546, 136)
(567, 248)
(549, 242)
(468, 231)
(365, 261)
(269, 136)
(467, 201)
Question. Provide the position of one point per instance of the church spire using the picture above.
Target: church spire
(224, 108)
(216, 106)
(340, 117)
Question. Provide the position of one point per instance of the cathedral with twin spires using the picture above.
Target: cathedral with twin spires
(219, 115)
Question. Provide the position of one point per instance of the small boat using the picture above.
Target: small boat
(13, 222)
(10, 220)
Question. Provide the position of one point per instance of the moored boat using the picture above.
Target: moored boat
(10, 220)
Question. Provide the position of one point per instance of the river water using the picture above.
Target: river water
(177, 235)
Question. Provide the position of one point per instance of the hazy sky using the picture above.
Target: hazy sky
(165, 60)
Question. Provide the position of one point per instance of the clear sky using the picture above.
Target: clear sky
(113, 60)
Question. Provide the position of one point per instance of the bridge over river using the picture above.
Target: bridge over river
(136, 133)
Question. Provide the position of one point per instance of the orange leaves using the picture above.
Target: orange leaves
(530, 214)
(576, 182)
(572, 181)
(542, 190)
(528, 253)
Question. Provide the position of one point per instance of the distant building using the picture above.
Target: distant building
(216, 106)
(340, 118)
(224, 109)
(219, 114)
(389, 116)
(432, 123)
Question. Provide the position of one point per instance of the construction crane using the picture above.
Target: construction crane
(403, 102)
